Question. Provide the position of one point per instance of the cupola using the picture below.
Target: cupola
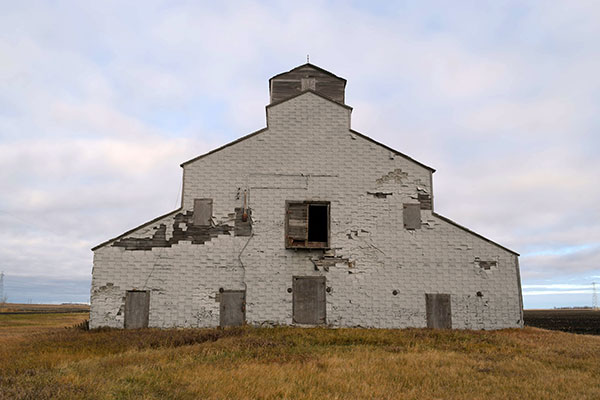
(304, 78)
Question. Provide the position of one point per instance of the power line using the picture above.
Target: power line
(594, 296)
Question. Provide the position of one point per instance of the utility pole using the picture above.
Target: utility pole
(2, 298)
(594, 296)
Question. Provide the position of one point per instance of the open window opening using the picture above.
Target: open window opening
(318, 221)
(307, 224)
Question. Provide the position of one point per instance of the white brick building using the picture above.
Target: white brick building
(305, 222)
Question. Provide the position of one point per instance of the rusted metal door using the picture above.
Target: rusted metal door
(232, 311)
(137, 309)
(439, 311)
(309, 304)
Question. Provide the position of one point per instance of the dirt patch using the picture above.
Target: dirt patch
(584, 321)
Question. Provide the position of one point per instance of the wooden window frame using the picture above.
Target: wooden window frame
(289, 244)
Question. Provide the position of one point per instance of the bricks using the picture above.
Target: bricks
(308, 153)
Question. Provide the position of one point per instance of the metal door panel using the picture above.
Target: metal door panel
(439, 311)
(309, 303)
(232, 311)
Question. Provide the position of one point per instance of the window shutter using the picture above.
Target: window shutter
(202, 211)
(297, 224)
(425, 200)
(412, 216)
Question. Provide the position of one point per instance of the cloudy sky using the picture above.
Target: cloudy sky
(101, 101)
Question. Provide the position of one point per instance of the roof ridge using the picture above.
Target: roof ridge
(312, 66)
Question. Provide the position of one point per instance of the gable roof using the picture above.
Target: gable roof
(456, 224)
(310, 91)
(312, 66)
(135, 229)
(396, 152)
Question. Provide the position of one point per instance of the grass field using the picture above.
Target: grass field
(13, 308)
(40, 359)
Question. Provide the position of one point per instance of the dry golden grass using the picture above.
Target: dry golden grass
(279, 363)
(16, 326)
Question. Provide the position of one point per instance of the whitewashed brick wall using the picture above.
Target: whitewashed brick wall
(308, 152)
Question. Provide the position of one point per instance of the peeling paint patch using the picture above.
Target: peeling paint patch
(194, 233)
(395, 176)
(380, 195)
(462, 247)
(356, 233)
(327, 261)
(487, 265)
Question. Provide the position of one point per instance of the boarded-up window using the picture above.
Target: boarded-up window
(282, 89)
(241, 227)
(202, 211)
(412, 216)
(309, 304)
(309, 83)
(307, 224)
(425, 201)
(137, 307)
(439, 311)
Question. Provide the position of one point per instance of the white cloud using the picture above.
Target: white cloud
(554, 292)
(561, 286)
